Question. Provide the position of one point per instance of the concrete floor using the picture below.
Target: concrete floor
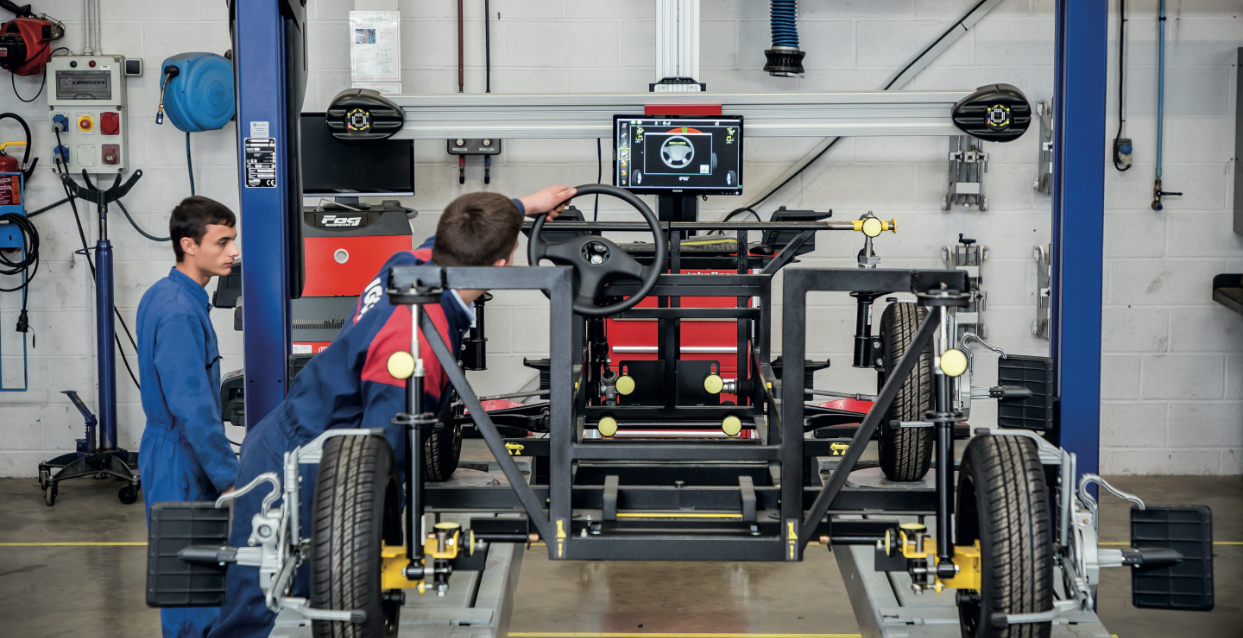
(98, 590)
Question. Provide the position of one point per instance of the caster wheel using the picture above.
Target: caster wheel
(44, 475)
(49, 495)
(983, 204)
(128, 494)
(945, 203)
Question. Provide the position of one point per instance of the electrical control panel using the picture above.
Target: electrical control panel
(86, 100)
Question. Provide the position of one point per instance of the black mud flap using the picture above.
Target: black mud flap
(1187, 586)
(172, 582)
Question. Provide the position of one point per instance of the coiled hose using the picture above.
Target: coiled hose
(27, 261)
(784, 58)
(784, 23)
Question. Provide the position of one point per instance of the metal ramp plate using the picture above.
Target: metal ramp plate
(885, 606)
(477, 605)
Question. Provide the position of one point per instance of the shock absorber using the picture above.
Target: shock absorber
(784, 58)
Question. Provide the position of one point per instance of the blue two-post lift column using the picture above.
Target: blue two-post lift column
(267, 177)
(1078, 224)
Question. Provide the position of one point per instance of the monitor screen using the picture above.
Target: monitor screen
(678, 154)
(331, 168)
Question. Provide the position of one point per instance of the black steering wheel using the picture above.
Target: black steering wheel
(597, 261)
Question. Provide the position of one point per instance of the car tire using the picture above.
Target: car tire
(357, 509)
(906, 453)
(443, 447)
(1003, 502)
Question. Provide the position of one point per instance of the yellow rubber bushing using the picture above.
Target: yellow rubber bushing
(607, 426)
(400, 365)
(732, 425)
(446, 525)
(873, 227)
(714, 384)
(953, 362)
(625, 385)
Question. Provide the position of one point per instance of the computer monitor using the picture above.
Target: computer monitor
(666, 155)
(332, 168)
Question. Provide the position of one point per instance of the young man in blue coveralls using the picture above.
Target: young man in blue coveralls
(347, 385)
(185, 455)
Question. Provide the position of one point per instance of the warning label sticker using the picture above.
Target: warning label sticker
(260, 157)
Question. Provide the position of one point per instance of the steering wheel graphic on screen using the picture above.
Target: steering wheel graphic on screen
(677, 152)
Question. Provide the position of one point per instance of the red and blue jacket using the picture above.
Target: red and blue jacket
(347, 385)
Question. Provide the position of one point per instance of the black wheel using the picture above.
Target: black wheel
(128, 494)
(49, 494)
(357, 509)
(443, 447)
(1003, 503)
(44, 475)
(906, 453)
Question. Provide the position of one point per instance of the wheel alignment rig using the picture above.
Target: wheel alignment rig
(613, 384)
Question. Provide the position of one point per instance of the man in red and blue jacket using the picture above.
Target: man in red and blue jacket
(347, 385)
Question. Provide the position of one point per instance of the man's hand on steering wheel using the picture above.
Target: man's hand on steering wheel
(598, 261)
(551, 200)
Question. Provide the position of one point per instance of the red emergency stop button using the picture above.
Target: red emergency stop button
(86, 124)
(110, 123)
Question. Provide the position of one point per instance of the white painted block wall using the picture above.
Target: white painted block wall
(1172, 378)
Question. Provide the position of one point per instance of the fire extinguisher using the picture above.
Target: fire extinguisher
(10, 168)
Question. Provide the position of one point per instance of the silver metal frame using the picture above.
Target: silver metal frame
(583, 116)
(677, 41)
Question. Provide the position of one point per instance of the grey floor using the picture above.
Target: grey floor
(97, 590)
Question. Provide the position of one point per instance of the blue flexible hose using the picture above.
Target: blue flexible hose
(784, 23)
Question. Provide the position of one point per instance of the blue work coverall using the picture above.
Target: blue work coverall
(347, 385)
(184, 454)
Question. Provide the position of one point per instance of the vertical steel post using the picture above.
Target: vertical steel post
(104, 339)
(260, 67)
(1078, 224)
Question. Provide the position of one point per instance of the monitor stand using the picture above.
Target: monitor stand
(677, 208)
(346, 203)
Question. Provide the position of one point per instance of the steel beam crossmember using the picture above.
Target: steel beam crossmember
(583, 116)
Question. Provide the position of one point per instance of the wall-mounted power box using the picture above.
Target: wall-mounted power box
(86, 100)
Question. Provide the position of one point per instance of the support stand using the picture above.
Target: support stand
(98, 457)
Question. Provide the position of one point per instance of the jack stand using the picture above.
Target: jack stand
(98, 458)
(969, 256)
(968, 163)
(90, 460)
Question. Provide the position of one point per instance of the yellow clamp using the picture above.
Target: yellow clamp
(453, 541)
(873, 227)
(515, 449)
(966, 557)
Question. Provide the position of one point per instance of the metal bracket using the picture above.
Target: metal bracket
(1044, 177)
(1044, 289)
(968, 163)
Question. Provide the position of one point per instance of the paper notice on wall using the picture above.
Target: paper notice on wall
(375, 50)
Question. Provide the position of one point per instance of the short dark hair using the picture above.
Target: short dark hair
(477, 229)
(192, 216)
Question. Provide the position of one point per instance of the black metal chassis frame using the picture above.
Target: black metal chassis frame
(803, 511)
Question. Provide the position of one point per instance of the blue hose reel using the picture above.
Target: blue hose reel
(196, 91)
